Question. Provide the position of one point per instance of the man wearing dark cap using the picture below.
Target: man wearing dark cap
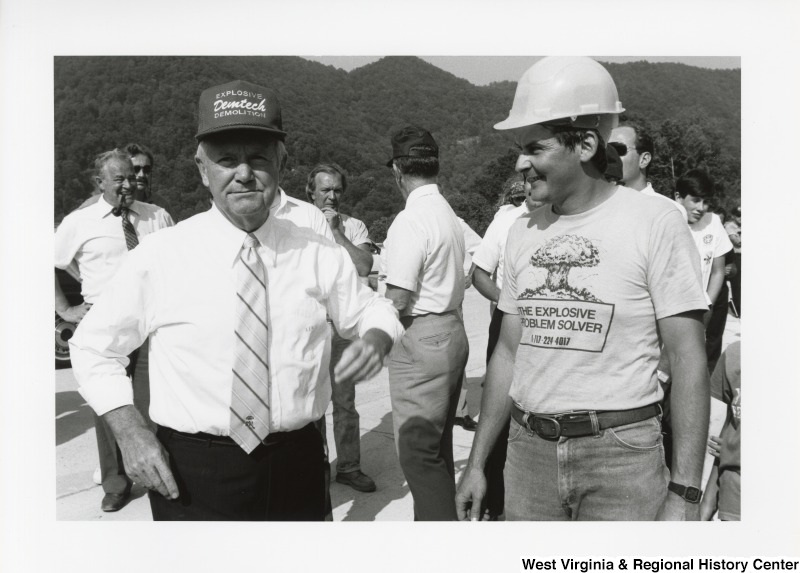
(235, 302)
(425, 281)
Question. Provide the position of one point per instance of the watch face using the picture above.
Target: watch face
(692, 494)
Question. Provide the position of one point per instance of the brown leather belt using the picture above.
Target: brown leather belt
(580, 423)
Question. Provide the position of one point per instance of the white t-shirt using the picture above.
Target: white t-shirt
(588, 290)
(711, 240)
(354, 229)
(650, 192)
(425, 253)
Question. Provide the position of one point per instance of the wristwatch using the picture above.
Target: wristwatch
(687, 492)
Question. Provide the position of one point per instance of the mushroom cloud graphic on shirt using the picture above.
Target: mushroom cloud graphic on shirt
(559, 255)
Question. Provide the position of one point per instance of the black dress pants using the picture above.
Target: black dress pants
(282, 480)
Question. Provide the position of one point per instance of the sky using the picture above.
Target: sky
(483, 70)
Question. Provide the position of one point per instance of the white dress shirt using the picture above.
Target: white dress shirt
(425, 253)
(301, 214)
(179, 286)
(93, 238)
(472, 241)
(489, 255)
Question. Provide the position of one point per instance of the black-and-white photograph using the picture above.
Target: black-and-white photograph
(421, 276)
(583, 220)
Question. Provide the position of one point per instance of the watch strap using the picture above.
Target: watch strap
(687, 492)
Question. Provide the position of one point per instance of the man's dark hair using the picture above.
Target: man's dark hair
(331, 169)
(421, 167)
(572, 137)
(135, 149)
(643, 142)
(695, 182)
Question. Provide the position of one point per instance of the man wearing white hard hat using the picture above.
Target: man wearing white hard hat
(592, 283)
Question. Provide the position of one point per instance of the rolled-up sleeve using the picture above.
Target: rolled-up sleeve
(114, 327)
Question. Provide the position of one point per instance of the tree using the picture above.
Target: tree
(379, 228)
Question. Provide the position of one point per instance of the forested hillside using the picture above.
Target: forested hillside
(332, 115)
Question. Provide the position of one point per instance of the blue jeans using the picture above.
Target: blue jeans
(619, 475)
(425, 370)
(346, 429)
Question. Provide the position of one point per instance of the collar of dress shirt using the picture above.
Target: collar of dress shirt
(279, 202)
(230, 238)
(105, 208)
(422, 191)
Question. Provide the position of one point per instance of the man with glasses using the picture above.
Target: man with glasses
(636, 150)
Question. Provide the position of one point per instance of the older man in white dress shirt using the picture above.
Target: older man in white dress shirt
(235, 301)
(97, 240)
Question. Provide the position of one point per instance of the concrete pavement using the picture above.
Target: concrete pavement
(78, 498)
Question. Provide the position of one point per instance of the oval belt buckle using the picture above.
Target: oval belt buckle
(540, 427)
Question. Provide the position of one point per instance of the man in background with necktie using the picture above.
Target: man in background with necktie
(235, 301)
(98, 239)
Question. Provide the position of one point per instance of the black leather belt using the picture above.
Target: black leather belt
(580, 423)
(271, 439)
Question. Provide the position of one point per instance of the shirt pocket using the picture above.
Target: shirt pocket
(300, 329)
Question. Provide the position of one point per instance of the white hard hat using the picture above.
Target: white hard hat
(576, 89)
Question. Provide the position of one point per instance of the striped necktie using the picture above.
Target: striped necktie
(251, 385)
(131, 240)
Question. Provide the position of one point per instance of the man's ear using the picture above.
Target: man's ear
(284, 161)
(589, 145)
(644, 160)
(201, 167)
(678, 197)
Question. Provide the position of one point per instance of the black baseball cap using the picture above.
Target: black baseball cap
(239, 105)
(413, 141)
